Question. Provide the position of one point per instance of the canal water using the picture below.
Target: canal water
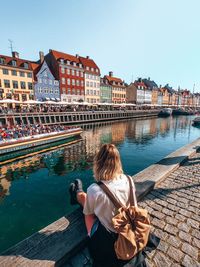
(34, 189)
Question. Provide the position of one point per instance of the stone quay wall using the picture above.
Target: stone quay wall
(73, 117)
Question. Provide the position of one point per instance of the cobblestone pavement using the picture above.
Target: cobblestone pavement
(174, 207)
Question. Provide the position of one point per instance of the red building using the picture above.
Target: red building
(69, 71)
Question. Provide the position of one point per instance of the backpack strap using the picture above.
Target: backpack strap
(113, 198)
(110, 195)
(132, 198)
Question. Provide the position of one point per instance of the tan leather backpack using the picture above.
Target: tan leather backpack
(131, 223)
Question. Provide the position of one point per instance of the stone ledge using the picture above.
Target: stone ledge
(59, 241)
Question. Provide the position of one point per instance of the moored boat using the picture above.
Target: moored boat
(165, 112)
(37, 140)
(196, 121)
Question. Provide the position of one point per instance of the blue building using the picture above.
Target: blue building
(46, 87)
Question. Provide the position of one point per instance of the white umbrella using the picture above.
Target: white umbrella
(49, 102)
(9, 101)
(62, 103)
(33, 102)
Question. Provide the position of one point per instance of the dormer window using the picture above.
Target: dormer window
(62, 61)
(92, 69)
(87, 68)
(14, 63)
(96, 70)
(74, 63)
(80, 65)
(2, 60)
(26, 65)
(68, 62)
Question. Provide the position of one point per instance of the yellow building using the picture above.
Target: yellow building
(16, 78)
(154, 96)
(118, 88)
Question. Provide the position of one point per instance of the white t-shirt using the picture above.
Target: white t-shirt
(98, 203)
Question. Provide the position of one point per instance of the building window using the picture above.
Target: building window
(72, 72)
(68, 91)
(87, 68)
(64, 90)
(22, 74)
(68, 81)
(88, 92)
(23, 85)
(92, 69)
(82, 83)
(73, 91)
(78, 92)
(29, 75)
(62, 70)
(91, 84)
(24, 97)
(63, 80)
(73, 82)
(5, 71)
(6, 83)
(2, 60)
(40, 80)
(50, 82)
(14, 63)
(68, 71)
(81, 74)
(87, 83)
(26, 65)
(77, 82)
(56, 83)
(45, 81)
(15, 84)
(30, 86)
(14, 72)
(77, 73)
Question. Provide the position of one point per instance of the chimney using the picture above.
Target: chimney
(148, 78)
(87, 57)
(41, 54)
(77, 55)
(110, 73)
(15, 54)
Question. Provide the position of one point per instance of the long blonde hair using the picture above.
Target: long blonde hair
(107, 163)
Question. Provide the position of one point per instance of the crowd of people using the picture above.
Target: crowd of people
(65, 108)
(20, 131)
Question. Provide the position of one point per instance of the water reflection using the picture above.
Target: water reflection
(79, 156)
(35, 189)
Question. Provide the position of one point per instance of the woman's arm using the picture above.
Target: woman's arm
(89, 221)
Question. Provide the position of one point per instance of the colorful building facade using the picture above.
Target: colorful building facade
(105, 91)
(16, 78)
(118, 88)
(46, 87)
(70, 72)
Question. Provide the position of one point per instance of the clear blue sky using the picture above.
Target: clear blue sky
(133, 38)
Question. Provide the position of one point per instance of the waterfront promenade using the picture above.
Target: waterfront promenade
(170, 192)
(174, 207)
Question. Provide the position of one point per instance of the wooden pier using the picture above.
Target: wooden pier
(72, 117)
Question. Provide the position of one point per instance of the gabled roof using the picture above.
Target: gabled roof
(150, 83)
(138, 83)
(59, 55)
(113, 79)
(19, 62)
(87, 62)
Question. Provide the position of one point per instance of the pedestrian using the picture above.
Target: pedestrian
(99, 210)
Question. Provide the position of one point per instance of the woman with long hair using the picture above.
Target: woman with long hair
(99, 210)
